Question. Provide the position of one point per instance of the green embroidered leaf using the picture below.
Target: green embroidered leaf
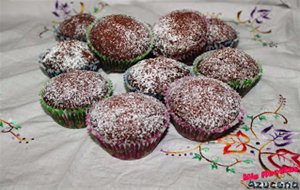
(17, 126)
(246, 127)
(230, 170)
(205, 149)
(262, 118)
(96, 9)
(248, 161)
(276, 116)
(258, 36)
(249, 116)
(1, 124)
(197, 156)
(264, 44)
(214, 166)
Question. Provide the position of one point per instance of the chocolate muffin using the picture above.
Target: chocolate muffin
(220, 35)
(203, 109)
(128, 126)
(230, 65)
(120, 41)
(66, 55)
(74, 27)
(153, 76)
(66, 97)
(181, 35)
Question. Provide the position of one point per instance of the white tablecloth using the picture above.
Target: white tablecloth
(60, 158)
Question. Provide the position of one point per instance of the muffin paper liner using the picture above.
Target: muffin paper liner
(220, 45)
(194, 133)
(241, 86)
(115, 65)
(69, 118)
(126, 151)
(52, 73)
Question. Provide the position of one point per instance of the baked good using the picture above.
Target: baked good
(67, 97)
(230, 65)
(128, 126)
(74, 27)
(203, 109)
(153, 76)
(120, 41)
(66, 55)
(180, 35)
(220, 35)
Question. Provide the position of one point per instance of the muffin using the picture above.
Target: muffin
(229, 65)
(74, 27)
(203, 109)
(180, 35)
(153, 76)
(67, 97)
(120, 41)
(66, 55)
(128, 126)
(220, 35)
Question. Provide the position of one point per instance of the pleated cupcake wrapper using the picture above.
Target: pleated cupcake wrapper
(115, 65)
(59, 37)
(194, 133)
(69, 118)
(52, 73)
(220, 45)
(240, 86)
(128, 151)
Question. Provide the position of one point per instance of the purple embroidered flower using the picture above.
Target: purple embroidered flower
(259, 15)
(62, 9)
(280, 137)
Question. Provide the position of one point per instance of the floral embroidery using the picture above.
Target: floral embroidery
(235, 143)
(12, 128)
(247, 140)
(254, 22)
(63, 10)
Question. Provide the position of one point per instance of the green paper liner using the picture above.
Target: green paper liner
(119, 65)
(70, 118)
(241, 86)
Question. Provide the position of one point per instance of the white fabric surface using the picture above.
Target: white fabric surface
(61, 158)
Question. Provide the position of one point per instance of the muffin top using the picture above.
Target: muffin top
(154, 75)
(128, 118)
(75, 89)
(71, 54)
(179, 32)
(120, 37)
(203, 102)
(219, 31)
(75, 27)
(228, 64)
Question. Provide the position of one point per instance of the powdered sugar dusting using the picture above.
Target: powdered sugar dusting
(67, 55)
(75, 89)
(120, 37)
(204, 102)
(154, 75)
(76, 26)
(129, 118)
(180, 32)
(228, 64)
(219, 31)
